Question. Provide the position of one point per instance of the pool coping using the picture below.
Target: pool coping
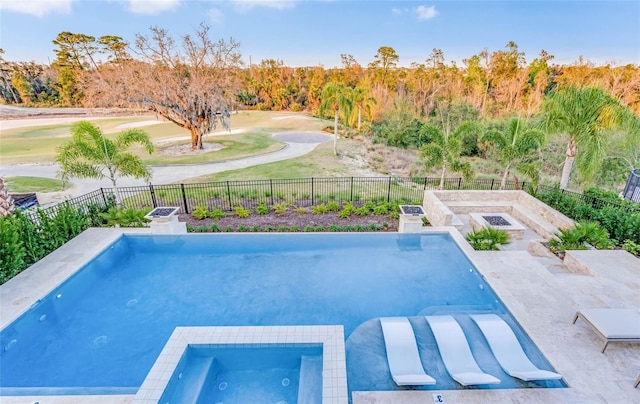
(334, 369)
(542, 302)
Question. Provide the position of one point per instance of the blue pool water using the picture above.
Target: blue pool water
(101, 331)
(246, 375)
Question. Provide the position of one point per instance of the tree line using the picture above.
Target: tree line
(497, 83)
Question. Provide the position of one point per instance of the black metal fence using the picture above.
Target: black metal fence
(302, 192)
(99, 198)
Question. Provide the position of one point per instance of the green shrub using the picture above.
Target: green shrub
(381, 209)
(268, 228)
(214, 228)
(190, 228)
(300, 210)
(362, 211)
(334, 227)
(631, 247)
(280, 208)
(487, 239)
(241, 212)
(200, 212)
(294, 229)
(309, 229)
(242, 228)
(320, 209)
(333, 206)
(229, 229)
(347, 211)
(282, 229)
(12, 249)
(255, 228)
(577, 237)
(217, 213)
(125, 217)
(202, 229)
(262, 209)
(619, 217)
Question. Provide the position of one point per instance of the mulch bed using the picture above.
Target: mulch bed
(292, 218)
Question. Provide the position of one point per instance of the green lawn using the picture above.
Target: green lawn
(23, 185)
(319, 163)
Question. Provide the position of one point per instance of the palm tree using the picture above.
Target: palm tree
(445, 149)
(587, 115)
(6, 201)
(89, 154)
(515, 145)
(336, 97)
(362, 100)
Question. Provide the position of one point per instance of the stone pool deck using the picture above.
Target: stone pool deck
(541, 292)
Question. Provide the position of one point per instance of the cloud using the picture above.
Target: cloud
(246, 5)
(39, 8)
(216, 15)
(397, 11)
(151, 7)
(425, 13)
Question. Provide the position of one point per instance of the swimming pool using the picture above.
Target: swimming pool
(101, 330)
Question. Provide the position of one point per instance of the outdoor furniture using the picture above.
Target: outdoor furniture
(507, 349)
(612, 325)
(402, 353)
(455, 352)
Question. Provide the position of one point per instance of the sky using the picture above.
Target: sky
(317, 32)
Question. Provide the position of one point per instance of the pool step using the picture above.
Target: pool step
(310, 387)
(194, 376)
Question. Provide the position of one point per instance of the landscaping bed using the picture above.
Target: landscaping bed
(291, 221)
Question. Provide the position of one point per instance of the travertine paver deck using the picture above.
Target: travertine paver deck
(542, 300)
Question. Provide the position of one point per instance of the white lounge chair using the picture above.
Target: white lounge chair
(455, 352)
(613, 325)
(402, 353)
(507, 349)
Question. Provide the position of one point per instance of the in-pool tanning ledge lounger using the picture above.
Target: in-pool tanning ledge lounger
(402, 353)
(507, 349)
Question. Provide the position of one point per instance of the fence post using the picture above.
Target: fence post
(184, 199)
(271, 190)
(425, 184)
(389, 191)
(459, 183)
(104, 198)
(492, 183)
(153, 196)
(312, 193)
(351, 196)
(229, 195)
